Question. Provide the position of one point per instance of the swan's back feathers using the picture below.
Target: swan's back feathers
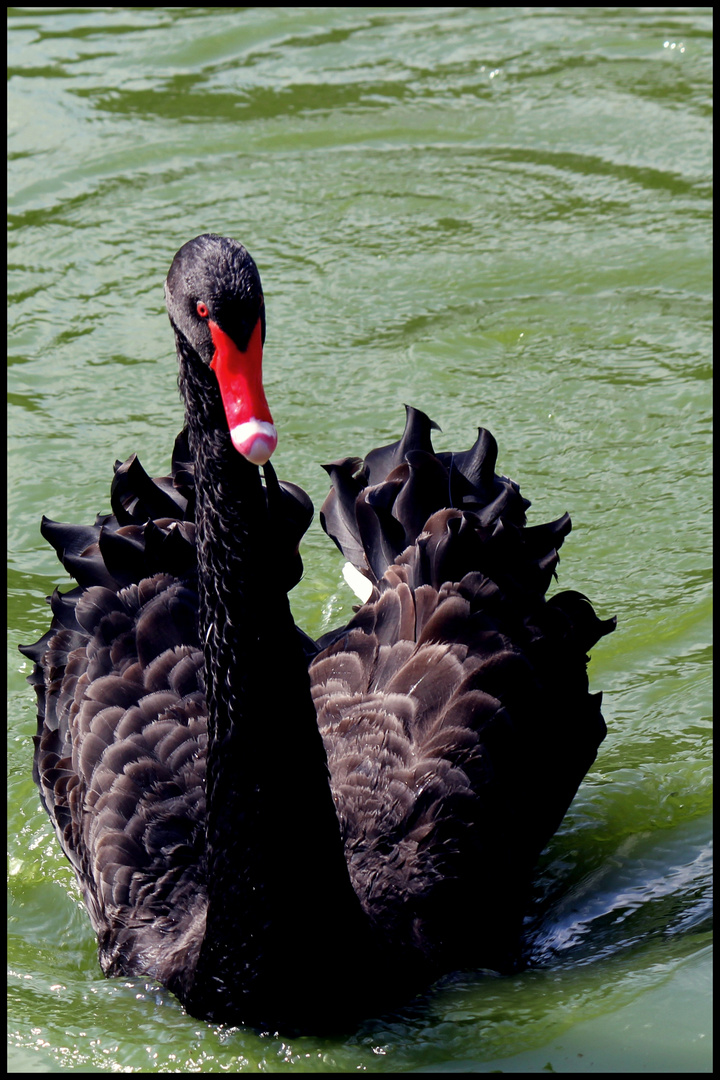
(455, 705)
(121, 742)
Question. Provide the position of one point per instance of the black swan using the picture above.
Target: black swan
(288, 833)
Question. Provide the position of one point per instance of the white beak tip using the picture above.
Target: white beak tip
(255, 440)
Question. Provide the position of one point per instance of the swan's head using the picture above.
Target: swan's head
(215, 303)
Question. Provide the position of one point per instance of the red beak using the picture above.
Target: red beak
(239, 375)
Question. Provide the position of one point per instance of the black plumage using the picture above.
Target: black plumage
(292, 833)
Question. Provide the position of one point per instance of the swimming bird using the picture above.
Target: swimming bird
(289, 833)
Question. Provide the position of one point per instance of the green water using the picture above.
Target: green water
(501, 216)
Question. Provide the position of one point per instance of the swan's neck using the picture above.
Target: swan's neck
(278, 887)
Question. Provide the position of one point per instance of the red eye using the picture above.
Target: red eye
(202, 310)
